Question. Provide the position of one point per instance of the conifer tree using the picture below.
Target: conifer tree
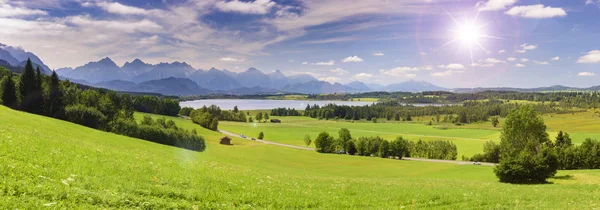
(9, 92)
(56, 105)
(27, 87)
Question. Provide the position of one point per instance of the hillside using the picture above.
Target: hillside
(51, 163)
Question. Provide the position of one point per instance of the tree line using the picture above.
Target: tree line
(285, 112)
(379, 147)
(467, 112)
(102, 109)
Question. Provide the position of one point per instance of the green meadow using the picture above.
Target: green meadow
(47, 163)
(468, 138)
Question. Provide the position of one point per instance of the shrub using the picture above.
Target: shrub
(155, 133)
(86, 116)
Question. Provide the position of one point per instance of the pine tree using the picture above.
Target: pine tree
(38, 98)
(9, 92)
(27, 87)
(56, 105)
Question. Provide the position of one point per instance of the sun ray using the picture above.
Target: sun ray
(454, 19)
(481, 46)
(491, 37)
(447, 43)
(476, 16)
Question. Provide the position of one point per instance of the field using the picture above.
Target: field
(468, 138)
(46, 163)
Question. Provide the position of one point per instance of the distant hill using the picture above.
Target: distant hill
(359, 86)
(318, 87)
(413, 86)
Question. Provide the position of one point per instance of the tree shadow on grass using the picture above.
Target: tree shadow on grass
(564, 177)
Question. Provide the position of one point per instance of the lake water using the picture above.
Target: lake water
(252, 104)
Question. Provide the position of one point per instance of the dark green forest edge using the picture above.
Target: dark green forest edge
(102, 109)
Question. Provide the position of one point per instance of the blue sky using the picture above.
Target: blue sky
(518, 43)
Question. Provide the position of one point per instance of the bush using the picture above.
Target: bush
(261, 135)
(86, 116)
(185, 111)
(155, 133)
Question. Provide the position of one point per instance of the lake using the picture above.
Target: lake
(257, 104)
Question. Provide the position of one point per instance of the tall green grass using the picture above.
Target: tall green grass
(46, 163)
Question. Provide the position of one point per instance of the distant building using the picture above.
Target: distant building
(275, 121)
(226, 141)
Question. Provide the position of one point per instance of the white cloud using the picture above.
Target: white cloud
(121, 26)
(446, 73)
(255, 7)
(339, 71)
(304, 63)
(493, 60)
(362, 76)
(483, 65)
(541, 62)
(524, 60)
(352, 59)
(591, 57)
(399, 71)
(291, 61)
(148, 40)
(422, 53)
(586, 74)
(493, 5)
(328, 63)
(589, 2)
(331, 79)
(118, 8)
(512, 59)
(230, 59)
(556, 58)
(454, 66)
(525, 47)
(378, 54)
(502, 51)
(7, 10)
(519, 65)
(536, 11)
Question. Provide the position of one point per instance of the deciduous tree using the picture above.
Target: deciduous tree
(525, 154)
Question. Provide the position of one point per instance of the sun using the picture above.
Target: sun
(468, 33)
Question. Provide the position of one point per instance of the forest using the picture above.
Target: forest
(33, 92)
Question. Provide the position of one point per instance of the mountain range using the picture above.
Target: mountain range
(180, 78)
(16, 58)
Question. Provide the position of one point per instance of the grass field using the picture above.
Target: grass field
(46, 163)
(293, 130)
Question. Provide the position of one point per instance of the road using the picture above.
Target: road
(266, 142)
(312, 149)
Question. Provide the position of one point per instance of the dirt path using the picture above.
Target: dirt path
(312, 149)
(266, 142)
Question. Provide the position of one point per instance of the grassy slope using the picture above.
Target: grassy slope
(49, 162)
